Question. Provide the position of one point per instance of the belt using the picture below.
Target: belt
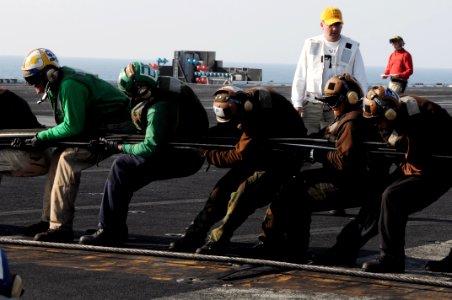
(400, 80)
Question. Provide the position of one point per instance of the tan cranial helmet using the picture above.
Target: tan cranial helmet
(228, 102)
(340, 88)
(380, 101)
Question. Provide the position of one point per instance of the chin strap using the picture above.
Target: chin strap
(46, 94)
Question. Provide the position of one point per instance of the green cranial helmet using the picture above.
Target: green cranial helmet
(138, 79)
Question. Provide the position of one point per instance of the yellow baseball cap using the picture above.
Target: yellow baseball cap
(331, 15)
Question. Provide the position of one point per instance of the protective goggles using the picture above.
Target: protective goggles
(34, 80)
(225, 107)
(332, 101)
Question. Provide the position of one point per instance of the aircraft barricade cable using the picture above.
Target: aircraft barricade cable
(404, 278)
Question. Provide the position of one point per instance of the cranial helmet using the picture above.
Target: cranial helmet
(342, 88)
(381, 101)
(228, 102)
(40, 65)
(138, 79)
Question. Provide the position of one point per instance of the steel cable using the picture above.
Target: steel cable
(403, 278)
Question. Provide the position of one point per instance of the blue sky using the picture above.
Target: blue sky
(249, 31)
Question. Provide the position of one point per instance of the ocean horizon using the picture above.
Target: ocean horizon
(109, 69)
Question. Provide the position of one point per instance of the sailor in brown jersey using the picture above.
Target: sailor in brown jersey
(345, 178)
(418, 128)
(257, 171)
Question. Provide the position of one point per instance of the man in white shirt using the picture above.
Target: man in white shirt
(322, 57)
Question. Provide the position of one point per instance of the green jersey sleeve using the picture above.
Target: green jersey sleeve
(161, 123)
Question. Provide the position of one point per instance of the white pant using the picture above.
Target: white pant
(397, 87)
(20, 163)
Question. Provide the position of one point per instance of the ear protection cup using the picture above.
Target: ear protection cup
(390, 114)
(377, 94)
(144, 92)
(52, 75)
(248, 106)
(258, 96)
(351, 96)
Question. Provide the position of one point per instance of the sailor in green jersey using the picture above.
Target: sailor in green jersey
(163, 108)
(85, 107)
(98, 107)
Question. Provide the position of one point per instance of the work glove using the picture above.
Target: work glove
(18, 143)
(200, 152)
(33, 142)
(107, 146)
(317, 155)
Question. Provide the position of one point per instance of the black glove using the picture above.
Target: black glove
(18, 143)
(108, 146)
(317, 155)
(200, 152)
(34, 142)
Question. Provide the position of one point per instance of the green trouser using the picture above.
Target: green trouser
(236, 196)
(217, 203)
(256, 191)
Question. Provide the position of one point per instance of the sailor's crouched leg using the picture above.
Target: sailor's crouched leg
(20, 163)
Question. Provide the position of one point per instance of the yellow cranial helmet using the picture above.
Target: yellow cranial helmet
(37, 60)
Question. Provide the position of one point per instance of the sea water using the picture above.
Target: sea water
(109, 69)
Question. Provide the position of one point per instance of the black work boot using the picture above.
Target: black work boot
(336, 256)
(443, 265)
(337, 212)
(34, 229)
(105, 237)
(188, 243)
(214, 247)
(278, 251)
(385, 264)
(56, 235)
(263, 250)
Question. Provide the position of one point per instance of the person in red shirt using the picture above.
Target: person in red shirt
(400, 66)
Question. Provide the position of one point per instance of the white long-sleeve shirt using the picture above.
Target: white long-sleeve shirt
(309, 79)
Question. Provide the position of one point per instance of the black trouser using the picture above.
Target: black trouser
(406, 195)
(364, 226)
(289, 216)
(288, 219)
(129, 173)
